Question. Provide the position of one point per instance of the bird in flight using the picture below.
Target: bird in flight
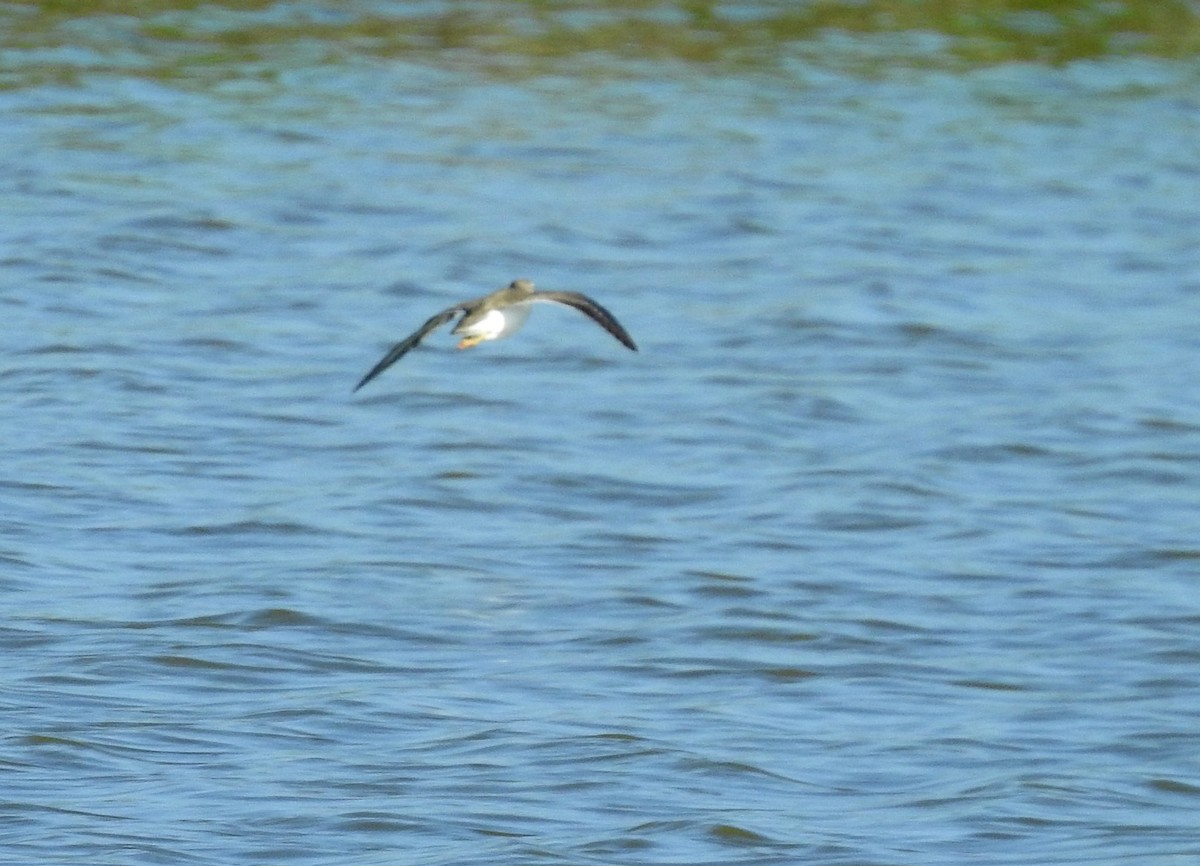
(497, 315)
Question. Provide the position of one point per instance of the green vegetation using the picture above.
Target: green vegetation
(541, 35)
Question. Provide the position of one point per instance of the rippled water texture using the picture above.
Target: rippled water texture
(882, 550)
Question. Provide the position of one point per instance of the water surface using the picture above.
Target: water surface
(882, 550)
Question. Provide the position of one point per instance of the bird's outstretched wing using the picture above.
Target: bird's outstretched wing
(592, 310)
(410, 342)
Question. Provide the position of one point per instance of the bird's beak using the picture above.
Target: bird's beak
(468, 342)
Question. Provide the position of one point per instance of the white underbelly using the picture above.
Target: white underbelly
(498, 323)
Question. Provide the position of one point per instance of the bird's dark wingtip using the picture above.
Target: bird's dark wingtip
(371, 374)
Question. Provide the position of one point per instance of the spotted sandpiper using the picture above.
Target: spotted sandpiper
(497, 315)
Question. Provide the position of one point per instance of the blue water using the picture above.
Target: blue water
(882, 550)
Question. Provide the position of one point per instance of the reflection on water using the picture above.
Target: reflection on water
(176, 42)
(882, 549)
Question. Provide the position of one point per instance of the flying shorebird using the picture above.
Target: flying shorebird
(497, 315)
